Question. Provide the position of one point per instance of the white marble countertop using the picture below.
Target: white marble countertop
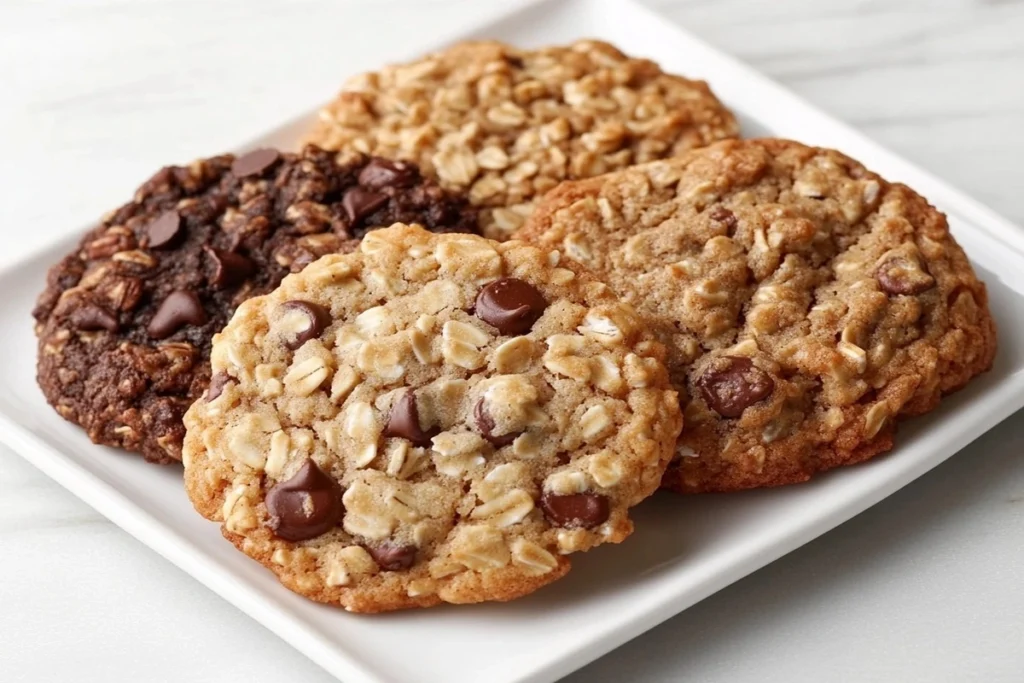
(95, 94)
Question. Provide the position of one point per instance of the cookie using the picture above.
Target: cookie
(126, 321)
(507, 125)
(807, 303)
(434, 418)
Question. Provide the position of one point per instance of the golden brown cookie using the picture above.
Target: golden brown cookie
(507, 125)
(433, 418)
(806, 302)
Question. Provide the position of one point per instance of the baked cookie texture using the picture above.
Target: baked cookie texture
(126, 320)
(806, 302)
(433, 418)
(507, 125)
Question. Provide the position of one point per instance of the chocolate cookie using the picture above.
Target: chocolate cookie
(434, 418)
(507, 125)
(126, 321)
(807, 303)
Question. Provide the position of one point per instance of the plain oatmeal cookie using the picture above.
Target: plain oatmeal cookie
(806, 302)
(434, 418)
(126, 320)
(506, 125)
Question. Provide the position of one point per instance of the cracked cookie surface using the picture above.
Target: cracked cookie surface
(432, 418)
(807, 303)
(506, 125)
(126, 320)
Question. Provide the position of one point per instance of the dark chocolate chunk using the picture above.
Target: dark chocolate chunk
(305, 506)
(91, 318)
(485, 423)
(181, 307)
(901, 276)
(381, 173)
(510, 304)
(165, 230)
(217, 384)
(229, 269)
(731, 384)
(585, 510)
(255, 162)
(318, 318)
(359, 203)
(404, 421)
(392, 557)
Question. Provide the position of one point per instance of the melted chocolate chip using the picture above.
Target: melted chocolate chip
(485, 423)
(180, 308)
(306, 505)
(359, 203)
(404, 421)
(381, 173)
(898, 275)
(724, 216)
(585, 510)
(510, 304)
(255, 162)
(229, 269)
(731, 384)
(392, 557)
(165, 230)
(91, 318)
(318, 318)
(217, 384)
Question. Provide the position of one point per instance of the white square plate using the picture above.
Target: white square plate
(684, 548)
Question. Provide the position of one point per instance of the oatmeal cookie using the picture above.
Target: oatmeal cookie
(806, 302)
(434, 418)
(506, 125)
(126, 320)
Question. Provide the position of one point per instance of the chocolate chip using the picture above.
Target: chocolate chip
(91, 318)
(229, 269)
(165, 230)
(585, 510)
(731, 384)
(381, 173)
(359, 203)
(485, 423)
(217, 384)
(255, 162)
(404, 421)
(392, 557)
(318, 318)
(723, 216)
(180, 308)
(510, 304)
(306, 505)
(898, 275)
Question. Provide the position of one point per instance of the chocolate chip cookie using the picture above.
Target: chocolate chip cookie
(126, 320)
(806, 302)
(433, 418)
(507, 125)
